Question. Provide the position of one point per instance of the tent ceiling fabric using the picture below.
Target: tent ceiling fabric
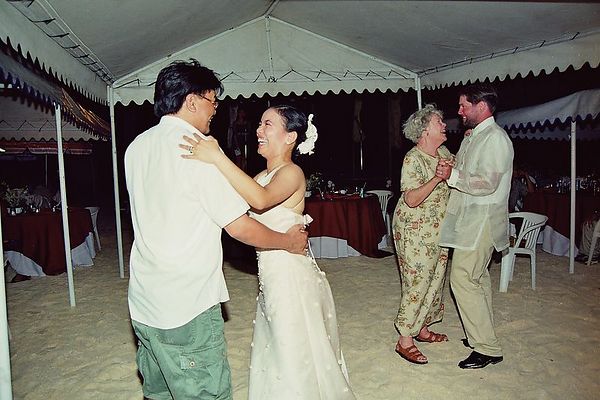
(315, 65)
(312, 45)
(50, 54)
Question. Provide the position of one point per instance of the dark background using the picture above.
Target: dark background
(337, 156)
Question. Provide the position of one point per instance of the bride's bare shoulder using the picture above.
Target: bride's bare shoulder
(293, 169)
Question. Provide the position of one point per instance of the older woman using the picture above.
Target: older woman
(416, 226)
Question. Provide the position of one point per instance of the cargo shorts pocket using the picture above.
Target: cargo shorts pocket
(208, 370)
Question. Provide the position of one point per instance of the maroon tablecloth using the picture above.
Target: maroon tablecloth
(556, 207)
(357, 220)
(40, 236)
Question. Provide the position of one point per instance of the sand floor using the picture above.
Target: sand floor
(550, 335)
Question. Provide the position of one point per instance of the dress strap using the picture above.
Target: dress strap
(277, 168)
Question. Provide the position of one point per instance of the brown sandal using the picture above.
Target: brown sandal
(411, 354)
(432, 338)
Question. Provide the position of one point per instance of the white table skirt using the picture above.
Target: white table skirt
(554, 242)
(330, 247)
(81, 256)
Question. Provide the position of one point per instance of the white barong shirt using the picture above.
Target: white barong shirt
(480, 181)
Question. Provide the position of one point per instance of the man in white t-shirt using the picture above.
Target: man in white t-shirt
(178, 211)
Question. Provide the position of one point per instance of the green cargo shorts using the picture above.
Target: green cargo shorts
(188, 362)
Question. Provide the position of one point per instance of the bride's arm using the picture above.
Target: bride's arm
(284, 184)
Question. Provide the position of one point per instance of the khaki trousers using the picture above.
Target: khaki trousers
(471, 285)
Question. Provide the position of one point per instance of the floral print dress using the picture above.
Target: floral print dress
(416, 236)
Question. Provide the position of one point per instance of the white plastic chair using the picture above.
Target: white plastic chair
(384, 197)
(94, 213)
(595, 237)
(528, 234)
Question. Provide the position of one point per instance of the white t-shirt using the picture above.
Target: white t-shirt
(178, 209)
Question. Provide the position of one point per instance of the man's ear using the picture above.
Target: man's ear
(190, 102)
(483, 106)
(291, 137)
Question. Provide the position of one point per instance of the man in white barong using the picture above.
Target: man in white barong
(476, 219)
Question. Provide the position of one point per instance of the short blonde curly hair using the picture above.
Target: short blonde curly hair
(415, 124)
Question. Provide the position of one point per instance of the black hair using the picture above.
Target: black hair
(295, 120)
(481, 92)
(177, 80)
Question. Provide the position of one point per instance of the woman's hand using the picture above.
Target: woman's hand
(444, 168)
(450, 161)
(206, 150)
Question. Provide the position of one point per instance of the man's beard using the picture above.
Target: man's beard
(468, 123)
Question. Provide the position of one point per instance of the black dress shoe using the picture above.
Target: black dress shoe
(478, 360)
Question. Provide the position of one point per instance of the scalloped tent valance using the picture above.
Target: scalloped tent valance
(72, 147)
(549, 121)
(579, 105)
(24, 120)
(45, 92)
(276, 47)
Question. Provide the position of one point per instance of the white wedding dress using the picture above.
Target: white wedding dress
(296, 350)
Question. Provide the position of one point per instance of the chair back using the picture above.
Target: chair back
(94, 213)
(597, 229)
(384, 197)
(530, 229)
(594, 240)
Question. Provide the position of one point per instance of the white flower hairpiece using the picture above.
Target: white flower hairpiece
(308, 145)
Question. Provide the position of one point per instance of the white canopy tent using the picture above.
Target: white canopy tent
(574, 107)
(271, 46)
(112, 52)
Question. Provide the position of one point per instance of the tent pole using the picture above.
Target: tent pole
(573, 194)
(111, 102)
(361, 155)
(418, 89)
(63, 203)
(5, 380)
(269, 50)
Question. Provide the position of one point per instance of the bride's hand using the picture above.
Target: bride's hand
(206, 150)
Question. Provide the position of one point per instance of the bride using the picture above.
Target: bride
(296, 350)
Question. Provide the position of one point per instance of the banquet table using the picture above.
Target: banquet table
(345, 226)
(34, 243)
(556, 206)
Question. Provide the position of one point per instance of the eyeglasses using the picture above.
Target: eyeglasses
(215, 102)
